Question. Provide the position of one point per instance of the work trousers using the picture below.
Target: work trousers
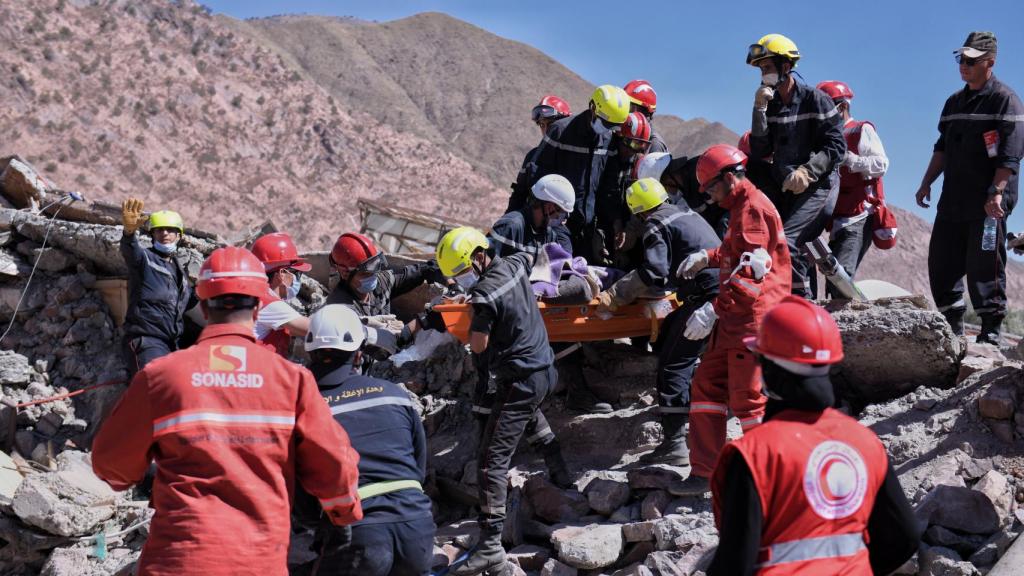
(849, 244)
(515, 413)
(955, 251)
(388, 549)
(138, 351)
(678, 358)
(727, 379)
(804, 217)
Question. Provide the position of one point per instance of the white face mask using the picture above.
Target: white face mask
(165, 249)
(293, 290)
(770, 79)
(467, 280)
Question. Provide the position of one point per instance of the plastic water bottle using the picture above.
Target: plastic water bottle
(988, 237)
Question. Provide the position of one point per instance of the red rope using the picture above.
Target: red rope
(69, 394)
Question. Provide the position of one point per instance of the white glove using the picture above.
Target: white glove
(692, 264)
(797, 181)
(701, 322)
(759, 261)
(762, 96)
(850, 159)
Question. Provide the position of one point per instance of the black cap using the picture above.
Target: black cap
(978, 44)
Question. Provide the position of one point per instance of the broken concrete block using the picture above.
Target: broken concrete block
(10, 479)
(917, 343)
(588, 547)
(15, 369)
(70, 501)
(959, 509)
(638, 531)
(998, 490)
(607, 496)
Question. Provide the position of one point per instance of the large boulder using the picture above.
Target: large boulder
(892, 346)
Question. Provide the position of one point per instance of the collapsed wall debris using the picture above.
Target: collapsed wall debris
(953, 429)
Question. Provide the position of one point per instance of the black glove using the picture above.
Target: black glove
(380, 344)
(430, 320)
(432, 272)
(329, 539)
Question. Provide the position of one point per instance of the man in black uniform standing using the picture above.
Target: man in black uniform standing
(508, 327)
(800, 129)
(981, 140)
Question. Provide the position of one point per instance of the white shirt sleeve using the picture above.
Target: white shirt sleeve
(870, 160)
(273, 316)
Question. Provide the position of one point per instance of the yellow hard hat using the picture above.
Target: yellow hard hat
(611, 103)
(645, 194)
(455, 250)
(166, 219)
(770, 46)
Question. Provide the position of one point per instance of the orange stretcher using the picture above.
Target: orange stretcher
(579, 322)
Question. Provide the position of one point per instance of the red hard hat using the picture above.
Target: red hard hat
(642, 94)
(636, 127)
(354, 252)
(885, 227)
(276, 251)
(797, 330)
(231, 270)
(716, 159)
(836, 90)
(551, 106)
(744, 143)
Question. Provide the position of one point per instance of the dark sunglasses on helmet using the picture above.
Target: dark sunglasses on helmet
(755, 52)
(543, 113)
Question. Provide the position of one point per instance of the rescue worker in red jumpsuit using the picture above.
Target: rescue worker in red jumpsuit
(811, 491)
(277, 321)
(754, 274)
(232, 426)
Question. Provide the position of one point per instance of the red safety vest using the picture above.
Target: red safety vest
(854, 187)
(817, 475)
(279, 340)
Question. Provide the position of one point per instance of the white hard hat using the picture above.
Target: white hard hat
(555, 188)
(335, 326)
(653, 165)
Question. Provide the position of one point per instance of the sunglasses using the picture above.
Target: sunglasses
(965, 61)
(638, 145)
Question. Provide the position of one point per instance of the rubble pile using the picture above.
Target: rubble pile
(951, 417)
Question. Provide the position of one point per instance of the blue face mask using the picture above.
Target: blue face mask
(599, 127)
(467, 280)
(165, 249)
(293, 290)
(368, 285)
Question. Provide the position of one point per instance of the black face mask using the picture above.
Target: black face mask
(789, 391)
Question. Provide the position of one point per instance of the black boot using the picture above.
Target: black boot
(990, 328)
(558, 472)
(955, 317)
(578, 397)
(488, 556)
(672, 450)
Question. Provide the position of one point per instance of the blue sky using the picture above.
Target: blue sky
(896, 56)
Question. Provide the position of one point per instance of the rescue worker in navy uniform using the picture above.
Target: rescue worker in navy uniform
(396, 534)
(613, 218)
(158, 289)
(550, 109)
(679, 177)
(801, 130)
(811, 490)
(507, 325)
(670, 235)
(540, 221)
(578, 148)
(981, 141)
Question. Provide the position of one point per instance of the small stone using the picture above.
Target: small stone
(606, 496)
(652, 478)
(654, 505)
(529, 556)
(634, 570)
(925, 404)
(999, 402)
(626, 514)
(997, 489)
(555, 568)
(976, 468)
(985, 556)
(588, 547)
(553, 504)
(25, 442)
(665, 563)
(638, 531)
(49, 424)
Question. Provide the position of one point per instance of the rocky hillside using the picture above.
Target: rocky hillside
(161, 100)
(446, 80)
